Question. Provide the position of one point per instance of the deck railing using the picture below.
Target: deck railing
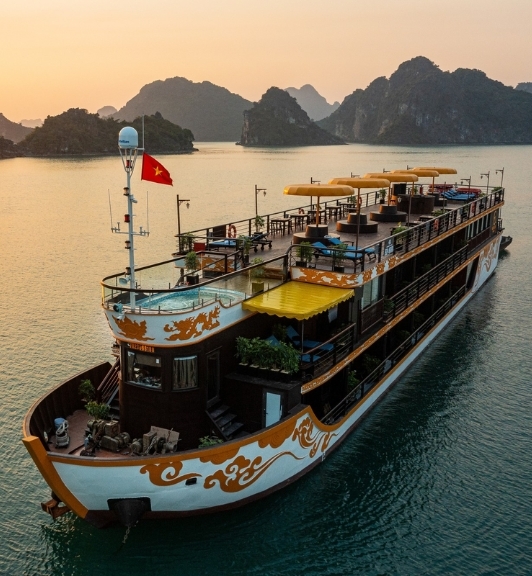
(246, 227)
(415, 236)
(386, 366)
(407, 296)
(160, 285)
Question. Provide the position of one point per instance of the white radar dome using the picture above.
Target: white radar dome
(128, 138)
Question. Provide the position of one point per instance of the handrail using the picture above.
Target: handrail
(245, 226)
(402, 299)
(418, 235)
(118, 295)
(389, 362)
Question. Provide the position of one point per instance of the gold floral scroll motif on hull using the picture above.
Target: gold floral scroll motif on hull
(166, 473)
(192, 327)
(242, 472)
(132, 330)
(304, 434)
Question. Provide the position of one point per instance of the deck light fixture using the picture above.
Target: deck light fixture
(257, 190)
(487, 174)
(501, 170)
(179, 202)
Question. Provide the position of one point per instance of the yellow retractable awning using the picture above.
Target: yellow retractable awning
(298, 300)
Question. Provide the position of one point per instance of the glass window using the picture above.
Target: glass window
(371, 292)
(185, 373)
(144, 369)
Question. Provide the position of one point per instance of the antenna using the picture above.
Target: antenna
(128, 144)
(147, 212)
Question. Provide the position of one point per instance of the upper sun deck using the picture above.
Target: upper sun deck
(165, 309)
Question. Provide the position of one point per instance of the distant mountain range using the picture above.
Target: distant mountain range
(313, 103)
(525, 86)
(31, 123)
(106, 111)
(211, 112)
(11, 130)
(278, 120)
(420, 104)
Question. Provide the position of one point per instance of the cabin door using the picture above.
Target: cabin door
(273, 409)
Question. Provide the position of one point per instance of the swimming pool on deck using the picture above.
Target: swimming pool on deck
(191, 299)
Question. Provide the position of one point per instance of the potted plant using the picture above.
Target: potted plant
(382, 195)
(86, 390)
(339, 252)
(191, 264)
(97, 410)
(304, 252)
(259, 223)
(256, 275)
(186, 242)
(244, 243)
(288, 358)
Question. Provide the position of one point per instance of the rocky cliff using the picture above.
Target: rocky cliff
(11, 130)
(211, 112)
(312, 102)
(420, 104)
(278, 120)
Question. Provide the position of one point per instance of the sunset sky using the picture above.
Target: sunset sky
(61, 54)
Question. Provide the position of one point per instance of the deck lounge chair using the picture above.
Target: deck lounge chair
(295, 338)
(350, 254)
(260, 239)
(222, 243)
(369, 252)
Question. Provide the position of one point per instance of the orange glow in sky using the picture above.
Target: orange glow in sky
(61, 54)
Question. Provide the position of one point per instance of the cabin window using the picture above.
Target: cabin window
(185, 373)
(371, 292)
(144, 369)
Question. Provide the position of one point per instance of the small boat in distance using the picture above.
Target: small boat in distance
(234, 377)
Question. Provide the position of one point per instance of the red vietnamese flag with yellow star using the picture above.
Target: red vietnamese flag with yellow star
(154, 171)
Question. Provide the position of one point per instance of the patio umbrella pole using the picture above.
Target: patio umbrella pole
(358, 216)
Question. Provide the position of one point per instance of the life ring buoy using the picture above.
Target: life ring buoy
(231, 232)
(301, 211)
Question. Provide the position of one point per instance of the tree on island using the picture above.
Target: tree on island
(76, 131)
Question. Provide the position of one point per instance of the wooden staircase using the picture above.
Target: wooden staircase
(107, 391)
(225, 422)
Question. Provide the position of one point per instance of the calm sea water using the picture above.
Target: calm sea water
(437, 480)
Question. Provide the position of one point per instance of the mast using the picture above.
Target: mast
(128, 142)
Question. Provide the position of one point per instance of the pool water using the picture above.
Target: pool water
(192, 298)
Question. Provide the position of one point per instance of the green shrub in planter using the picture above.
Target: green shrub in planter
(86, 390)
(98, 411)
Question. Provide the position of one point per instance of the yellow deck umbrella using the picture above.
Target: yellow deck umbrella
(438, 169)
(419, 172)
(359, 183)
(422, 173)
(399, 177)
(318, 190)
